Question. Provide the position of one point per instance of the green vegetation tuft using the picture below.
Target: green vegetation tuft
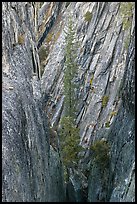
(88, 16)
(101, 156)
(21, 39)
(105, 101)
(107, 124)
(70, 73)
(91, 80)
(126, 13)
(43, 53)
(49, 37)
(69, 136)
(113, 113)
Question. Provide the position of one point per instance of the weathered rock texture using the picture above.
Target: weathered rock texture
(106, 99)
(31, 170)
(120, 178)
(105, 103)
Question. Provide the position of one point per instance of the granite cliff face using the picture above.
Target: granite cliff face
(33, 95)
(105, 104)
(31, 169)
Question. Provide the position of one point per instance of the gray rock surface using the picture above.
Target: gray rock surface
(30, 167)
(120, 179)
(75, 188)
(105, 55)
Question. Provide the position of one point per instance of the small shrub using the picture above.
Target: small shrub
(43, 53)
(21, 39)
(105, 101)
(69, 140)
(107, 124)
(126, 13)
(100, 150)
(113, 113)
(49, 37)
(127, 24)
(91, 80)
(88, 16)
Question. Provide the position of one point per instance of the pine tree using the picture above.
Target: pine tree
(69, 142)
(69, 133)
(70, 87)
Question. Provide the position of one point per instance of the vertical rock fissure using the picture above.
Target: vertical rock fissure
(33, 102)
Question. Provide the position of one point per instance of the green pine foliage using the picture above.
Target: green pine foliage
(70, 147)
(88, 16)
(101, 156)
(43, 53)
(69, 133)
(105, 100)
(70, 74)
(126, 11)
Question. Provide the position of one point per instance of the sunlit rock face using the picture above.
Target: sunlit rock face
(105, 104)
(120, 179)
(33, 95)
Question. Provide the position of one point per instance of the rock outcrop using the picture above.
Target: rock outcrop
(106, 88)
(119, 182)
(32, 96)
(31, 169)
